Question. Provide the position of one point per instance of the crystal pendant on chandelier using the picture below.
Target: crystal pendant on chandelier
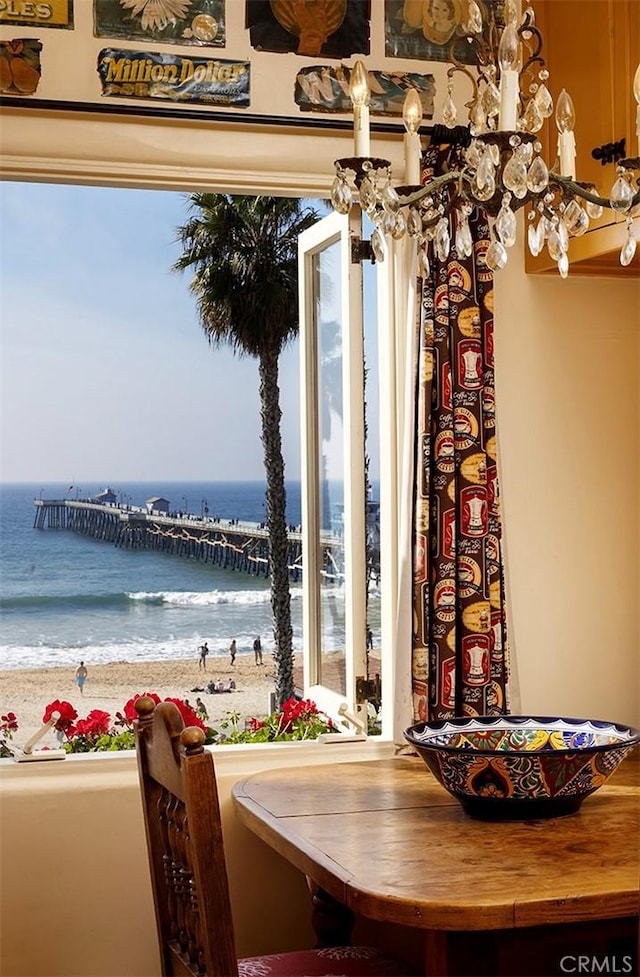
(496, 256)
(449, 111)
(464, 241)
(414, 222)
(629, 247)
(537, 176)
(553, 244)
(594, 210)
(535, 237)
(621, 195)
(424, 266)
(377, 245)
(442, 240)
(575, 219)
(368, 197)
(341, 196)
(390, 199)
(514, 175)
(544, 102)
(533, 119)
(506, 223)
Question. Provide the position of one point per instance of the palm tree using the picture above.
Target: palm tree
(243, 252)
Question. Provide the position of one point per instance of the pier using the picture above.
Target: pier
(227, 543)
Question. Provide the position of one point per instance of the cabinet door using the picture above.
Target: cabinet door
(592, 49)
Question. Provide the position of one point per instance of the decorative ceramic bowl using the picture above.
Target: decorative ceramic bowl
(521, 767)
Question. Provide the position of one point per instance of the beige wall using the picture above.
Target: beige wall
(75, 897)
(568, 408)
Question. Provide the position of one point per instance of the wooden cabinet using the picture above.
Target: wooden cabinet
(592, 49)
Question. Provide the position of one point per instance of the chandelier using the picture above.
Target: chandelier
(501, 169)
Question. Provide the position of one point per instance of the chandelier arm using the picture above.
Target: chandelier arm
(435, 184)
(458, 66)
(566, 183)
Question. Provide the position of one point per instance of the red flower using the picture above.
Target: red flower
(189, 716)
(8, 723)
(130, 708)
(255, 724)
(66, 711)
(96, 723)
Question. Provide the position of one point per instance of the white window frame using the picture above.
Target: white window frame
(67, 147)
(332, 230)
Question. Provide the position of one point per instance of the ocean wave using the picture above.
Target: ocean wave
(209, 597)
(64, 601)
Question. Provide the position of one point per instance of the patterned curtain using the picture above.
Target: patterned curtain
(460, 660)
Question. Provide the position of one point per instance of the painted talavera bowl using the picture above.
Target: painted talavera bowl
(521, 767)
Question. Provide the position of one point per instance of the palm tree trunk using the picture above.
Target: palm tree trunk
(270, 414)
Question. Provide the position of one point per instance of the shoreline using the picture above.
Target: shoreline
(27, 691)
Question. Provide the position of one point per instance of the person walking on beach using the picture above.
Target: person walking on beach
(81, 676)
(257, 650)
(232, 651)
(204, 651)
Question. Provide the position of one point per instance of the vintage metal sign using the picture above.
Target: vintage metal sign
(430, 30)
(19, 66)
(323, 88)
(37, 13)
(146, 74)
(331, 28)
(198, 22)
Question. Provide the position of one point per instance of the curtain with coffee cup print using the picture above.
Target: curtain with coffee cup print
(460, 660)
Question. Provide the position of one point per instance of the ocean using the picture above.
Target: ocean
(66, 597)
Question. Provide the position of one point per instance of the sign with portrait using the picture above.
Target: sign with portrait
(146, 74)
(20, 66)
(197, 22)
(37, 13)
(333, 28)
(323, 88)
(430, 30)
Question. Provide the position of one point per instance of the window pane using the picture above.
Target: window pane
(331, 666)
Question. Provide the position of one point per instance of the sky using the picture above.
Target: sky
(106, 374)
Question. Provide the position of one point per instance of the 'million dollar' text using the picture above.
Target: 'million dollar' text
(144, 69)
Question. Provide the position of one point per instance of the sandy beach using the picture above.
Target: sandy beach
(27, 692)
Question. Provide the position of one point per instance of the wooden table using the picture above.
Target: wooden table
(383, 839)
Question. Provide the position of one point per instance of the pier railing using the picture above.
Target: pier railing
(229, 543)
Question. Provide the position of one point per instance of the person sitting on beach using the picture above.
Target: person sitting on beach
(211, 687)
(232, 685)
(204, 651)
(81, 676)
(220, 686)
(201, 709)
(232, 651)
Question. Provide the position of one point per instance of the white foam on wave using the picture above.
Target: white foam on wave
(206, 598)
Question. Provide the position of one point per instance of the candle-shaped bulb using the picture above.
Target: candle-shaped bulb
(412, 111)
(360, 95)
(508, 49)
(508, 59)
(412, 117)
(565, 121)
(359, 85)
(565, 113)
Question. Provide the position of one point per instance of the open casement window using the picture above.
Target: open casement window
(333, 466)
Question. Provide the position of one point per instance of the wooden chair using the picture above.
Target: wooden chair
(188, 870)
